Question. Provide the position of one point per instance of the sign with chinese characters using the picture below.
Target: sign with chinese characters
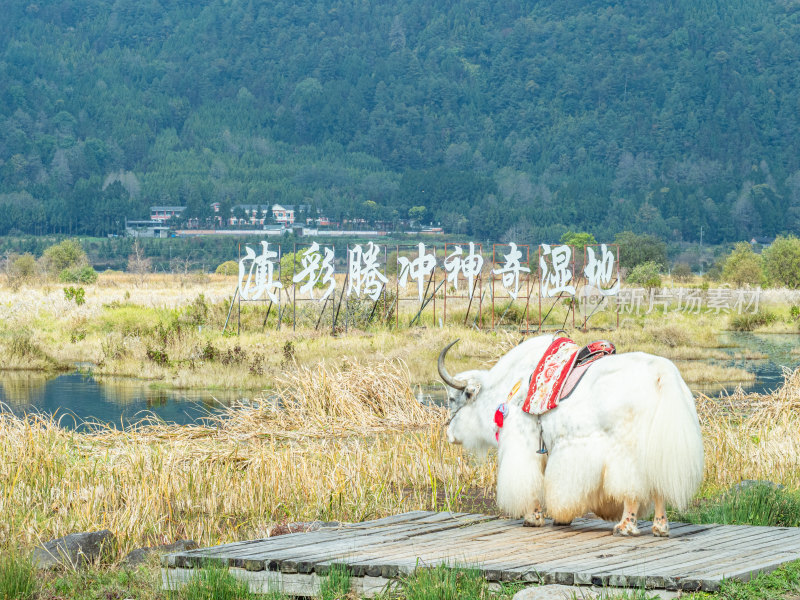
(364, 274)
(260, 274)
(420, 269)
(510, 270)
(461, 273)
(316, 269)
(467, 265)
(599, 270)
(556, 266)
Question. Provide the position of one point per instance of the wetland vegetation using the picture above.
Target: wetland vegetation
(347, 440)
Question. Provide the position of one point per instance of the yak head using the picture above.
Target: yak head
(474, 396)
(469, 406)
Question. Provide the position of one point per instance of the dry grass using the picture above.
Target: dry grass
(348, 442)
(343, 448)
(753, 436)
(151, 331)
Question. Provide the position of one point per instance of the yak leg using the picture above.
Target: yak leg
(627, 526)
(534, 518)
(660, 524)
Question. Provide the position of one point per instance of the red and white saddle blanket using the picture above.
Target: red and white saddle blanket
(559, 371)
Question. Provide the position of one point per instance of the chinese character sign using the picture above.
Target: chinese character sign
(418, 269)
(316, 269)
(363, 272)
(260, 271)
(469, 266)
(599, 270)
(556, 274)
(510, 271)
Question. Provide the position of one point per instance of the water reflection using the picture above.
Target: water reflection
(80, 397)
(123, 401)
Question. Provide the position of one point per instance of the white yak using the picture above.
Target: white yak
(626, 439)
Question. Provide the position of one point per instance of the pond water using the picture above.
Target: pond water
(77, 397)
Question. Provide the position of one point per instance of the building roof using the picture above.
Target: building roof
(172, 208)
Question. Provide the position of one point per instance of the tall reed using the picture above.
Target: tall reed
(349, 444)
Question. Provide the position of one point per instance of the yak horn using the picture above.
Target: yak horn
(446, 377)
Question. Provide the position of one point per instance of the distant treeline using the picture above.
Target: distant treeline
(496, 119)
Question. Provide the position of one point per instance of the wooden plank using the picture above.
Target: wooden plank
(583, 545)
(374, 559)
(694, 557)
(365, 558)
(298, 540)
(733, 560)
(286, 559)
(703, 542)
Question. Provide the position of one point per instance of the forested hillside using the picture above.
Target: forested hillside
(505, 118)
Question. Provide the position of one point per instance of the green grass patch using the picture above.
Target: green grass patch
(337, 585)
(751, 321)
(781, 584)
(215, 583)
(17, 576)
(446, 583)
(757, 504)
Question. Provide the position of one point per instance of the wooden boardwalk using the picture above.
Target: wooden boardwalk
(584, 553)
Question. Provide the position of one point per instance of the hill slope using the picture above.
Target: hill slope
(503, 118)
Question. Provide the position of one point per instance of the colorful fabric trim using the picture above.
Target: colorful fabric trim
(545, 384)
(499, 417)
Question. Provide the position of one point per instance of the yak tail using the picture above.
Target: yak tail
(674, 444)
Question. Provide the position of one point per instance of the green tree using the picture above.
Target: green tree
(578, 239)
(417, 213)
(64, 255)
(635, 249)
(782, 262)
(743, 266)
(646, 274)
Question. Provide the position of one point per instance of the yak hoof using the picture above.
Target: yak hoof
(534, 519)
(661, 529)
(626, 529)
(562, 523)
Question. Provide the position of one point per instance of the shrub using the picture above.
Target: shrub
(65, 255)
(157, 356)
(21, 267)
(85, 274)
(682, 272)
(645, 274)
(197, 312)
(229, 267)
(78, 294)
(742, 266)
(750, 321)
(782, 261)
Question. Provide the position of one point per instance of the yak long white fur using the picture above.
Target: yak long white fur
(626, 438)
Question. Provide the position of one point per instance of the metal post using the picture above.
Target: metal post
(230, 309)
(480, 300)
(239, 305)
(494, 249)
(294, 289)
(280, 308)
(539, 275)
